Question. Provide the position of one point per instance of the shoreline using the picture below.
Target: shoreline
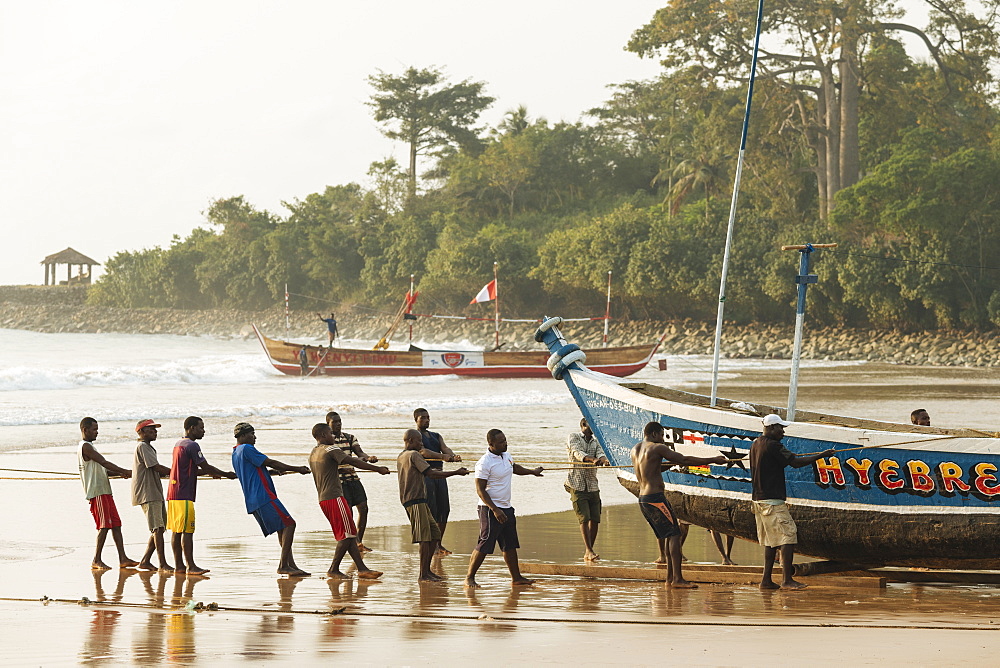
(62, 310)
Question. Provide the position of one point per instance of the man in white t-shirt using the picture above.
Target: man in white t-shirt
(497, 523)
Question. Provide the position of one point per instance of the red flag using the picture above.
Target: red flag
(488, 293)
(411, 299)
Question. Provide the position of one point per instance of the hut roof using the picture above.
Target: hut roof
(69, 256)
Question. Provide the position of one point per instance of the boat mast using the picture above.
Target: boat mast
(732, 208)
(802, 280)
(496, 309)
(607, 312)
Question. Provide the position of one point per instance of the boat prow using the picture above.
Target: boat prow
(894, 494)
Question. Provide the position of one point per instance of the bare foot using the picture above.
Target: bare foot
(146, 566)
(337, 575)
(683, 584)
(662, 561)
(729, 562)
(522, 582)
(768, 585)
(194, 570)
(792, 584)
(99, 566)
(363, 548)
(180, 570)
(128, 563)
(166, 568)
(442, 552)
(470, 583)
(293, 572)
(591, 556)
(430, 577)
(369, 575)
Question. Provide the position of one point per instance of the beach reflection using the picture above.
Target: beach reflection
(100, 640)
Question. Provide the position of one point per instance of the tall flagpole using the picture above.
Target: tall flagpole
(732, 209)
(607, 312)
(287, 324)
(496, 308)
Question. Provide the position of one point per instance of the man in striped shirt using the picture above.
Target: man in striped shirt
(581, 483)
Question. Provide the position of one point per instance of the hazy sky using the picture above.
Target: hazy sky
(121, 121)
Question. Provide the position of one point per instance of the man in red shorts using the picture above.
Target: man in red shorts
(94, 475)
(325, 461)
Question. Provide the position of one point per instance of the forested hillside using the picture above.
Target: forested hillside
(857, 137)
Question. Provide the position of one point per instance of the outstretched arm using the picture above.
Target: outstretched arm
(361, 464)
(93, 455)
(520, 470)
(805, 460)
(285, 468)
(440, 473)
(207, 469)
(672, 457)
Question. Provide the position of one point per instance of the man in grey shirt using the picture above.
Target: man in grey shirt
(147, 491)
(581, 483)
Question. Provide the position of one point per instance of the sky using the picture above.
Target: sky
(122, 121)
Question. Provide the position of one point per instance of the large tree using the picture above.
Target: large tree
(817, 49)
(421, 108)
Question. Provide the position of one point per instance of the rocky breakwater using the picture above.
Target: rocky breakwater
(60, 309)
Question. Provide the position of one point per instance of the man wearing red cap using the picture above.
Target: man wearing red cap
(147, 491)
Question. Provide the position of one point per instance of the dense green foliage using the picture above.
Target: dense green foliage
(642, 189)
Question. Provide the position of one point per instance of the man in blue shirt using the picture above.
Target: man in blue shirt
(331, 326)
(261, 498)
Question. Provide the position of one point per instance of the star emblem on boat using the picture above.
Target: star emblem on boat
(735, 458)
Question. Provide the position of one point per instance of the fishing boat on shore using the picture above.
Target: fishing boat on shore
(322, 360)
(893, 495)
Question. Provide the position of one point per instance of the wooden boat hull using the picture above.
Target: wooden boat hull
(896, 495)
(620, 361)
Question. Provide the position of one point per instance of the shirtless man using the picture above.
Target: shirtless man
(650, 458)
(94, 475)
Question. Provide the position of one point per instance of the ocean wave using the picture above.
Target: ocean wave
(130, 411)
(215, 369)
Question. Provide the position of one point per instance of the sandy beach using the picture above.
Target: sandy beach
(130, 617)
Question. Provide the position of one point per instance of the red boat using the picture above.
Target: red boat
(321, 360)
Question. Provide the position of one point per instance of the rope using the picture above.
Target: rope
(499, 618)
(888, 445)
(898, 259)
(34, 471)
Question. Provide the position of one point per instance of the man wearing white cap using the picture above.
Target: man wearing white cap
(775, 526)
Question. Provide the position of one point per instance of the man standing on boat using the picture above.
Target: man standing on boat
(331, 327)
(497, 523)
(413, 470)
(354, 491)
(775, 526)
(581, 483)
(436, 453)
(650, 458)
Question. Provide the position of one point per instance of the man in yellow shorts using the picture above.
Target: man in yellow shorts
(188, 463)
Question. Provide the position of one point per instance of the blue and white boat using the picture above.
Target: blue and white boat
(894, 494)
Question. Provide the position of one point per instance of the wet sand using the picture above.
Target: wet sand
(144, 617)
(138, 616)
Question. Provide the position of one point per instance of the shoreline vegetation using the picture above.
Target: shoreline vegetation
(63, 310)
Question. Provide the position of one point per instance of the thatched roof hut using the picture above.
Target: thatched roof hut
(69, 257)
